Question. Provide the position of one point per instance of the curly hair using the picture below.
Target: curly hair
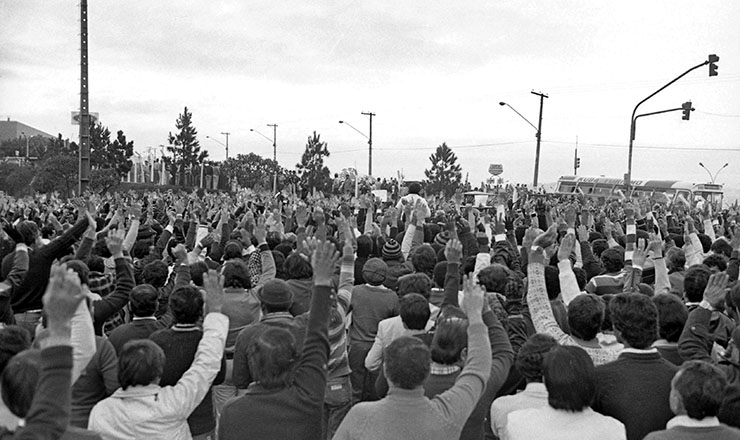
(636, 318)
(585, 315)
(532, 354)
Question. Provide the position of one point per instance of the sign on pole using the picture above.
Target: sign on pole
(94, 117)
(495, 169)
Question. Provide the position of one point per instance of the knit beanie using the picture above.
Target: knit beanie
(374, 271)
(391, 250)
(276, 292)
(442, 238)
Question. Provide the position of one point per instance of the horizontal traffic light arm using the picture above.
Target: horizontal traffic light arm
(634, 121)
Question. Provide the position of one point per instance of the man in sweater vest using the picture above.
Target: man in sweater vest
(634, 389)
(696, 396)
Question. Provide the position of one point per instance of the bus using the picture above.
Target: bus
(608, 187)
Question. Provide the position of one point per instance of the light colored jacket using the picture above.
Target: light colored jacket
(154, 412)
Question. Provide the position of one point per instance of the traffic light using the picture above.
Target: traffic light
(686, 106)
(712, 64)
(578, 162)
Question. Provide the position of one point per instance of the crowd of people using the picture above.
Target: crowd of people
(166, 315)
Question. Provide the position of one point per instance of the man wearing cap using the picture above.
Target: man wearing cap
(371, 303)
(393, 257)
(275, 297)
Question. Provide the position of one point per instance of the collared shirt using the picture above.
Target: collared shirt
(143, 318)
(638, 351)
(534, 395)
(684, 420)
(443, 370)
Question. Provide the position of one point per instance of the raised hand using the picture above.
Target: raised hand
(639, 255)
(214, 286)
(655, 247)
(570, 216)
(260, 231)
(582, 234)
(453, 251)
(473, 299)
(181, 253)
(716, 289)
(323, 260)
(63, 295)
(114, 242)
(567, 244)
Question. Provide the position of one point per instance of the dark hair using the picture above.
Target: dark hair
(140, 362)
(606, 324)
(675, 258)
(722, 247)
(364, 246)
(636, 318)
(494, 278)
(101, 248)
(414, 188)
(28, 231)
(236, 275)
(197, 270)
(585, 315)
(672, 316)
(450, 338)
(143, 300)
(407, 362)
(272, 239)
(96, 264)
(414, 311)
(233, 249)
(716, 260)
(19, 380)
(598, 246)
(141, 249)
(468, 265)
(552, 282)
(297, 267)
(701, 386)
(424, 259)
(155, 273)
(415, 283)
(440, 273)
(695, 281)
(13, 340)
(80, 269)
(580, 277)
(186, 304)
(532, 354)
(272, 355)
(569, 378)
(283, 249)
(279, 259)
(706, 242)
(613, 260)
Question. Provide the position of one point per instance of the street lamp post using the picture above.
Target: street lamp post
(226, 133)
(274, 152)
(226, 145)
(711, 59)
(713, 177)
(369, 140)
(27, 149)
(538, 130)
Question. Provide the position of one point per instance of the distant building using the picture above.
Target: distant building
(13, 130)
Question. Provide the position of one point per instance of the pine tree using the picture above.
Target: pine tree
(184, 146)
(105, 154)
(445, 173)
(312, 171)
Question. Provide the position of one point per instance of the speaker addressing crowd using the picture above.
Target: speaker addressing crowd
(215, 315)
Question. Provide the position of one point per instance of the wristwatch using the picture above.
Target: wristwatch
(704, 304)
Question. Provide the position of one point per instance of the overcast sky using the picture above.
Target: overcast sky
(432, 71)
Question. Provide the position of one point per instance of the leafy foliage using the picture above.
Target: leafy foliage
(57, 173)
(103, 179)
(184, 146)
(252, 170)
(312, 172)
(15, 179)
(105, 154)
(445, 173)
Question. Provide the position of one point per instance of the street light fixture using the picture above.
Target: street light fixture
(274, 152)
(226, 145)
(713, 177)
(369, 140)
(538, 130)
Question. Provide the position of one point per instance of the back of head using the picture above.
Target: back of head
(186, 304)
(580, 277)
(414, 311)
(197, 270)
(275, 296)
(695, 281)
(450, 339)
(414, 188)
(440, 273)
(424, 259)
(19, 380)
(675, 258)
(531, 356)
(569, 378)
(141, 362)
(279, 258)
(407, 362)
(13, 340)
(716, 262)
(29, 231)
(697, 390)
(706, 242)
(494, 278)
(672, 316)
(613, 260)
(236, 275)
(364, 246)
(272, 355)
(81, 269)
(552, 282)
(155, 273)
(415, 283)
(143, 300)
(722, 247)
(233, 249)
(96, 264)
(375, 271)
(635, 317)
(598, 247)
(585, 315)
(297, 267)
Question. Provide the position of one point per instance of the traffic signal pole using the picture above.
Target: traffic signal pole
(712, 59)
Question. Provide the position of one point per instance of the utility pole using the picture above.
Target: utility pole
(226, 133)
(84, 155)
(576, 160)
(370, 144)
(274, 156)
(539, 138)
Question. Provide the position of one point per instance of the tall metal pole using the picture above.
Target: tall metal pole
(84, 155)
(539, 139)
(274, 156)
(227, 143)
(370, 144)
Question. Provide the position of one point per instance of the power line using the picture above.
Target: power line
(722, 115)
(648, 147)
